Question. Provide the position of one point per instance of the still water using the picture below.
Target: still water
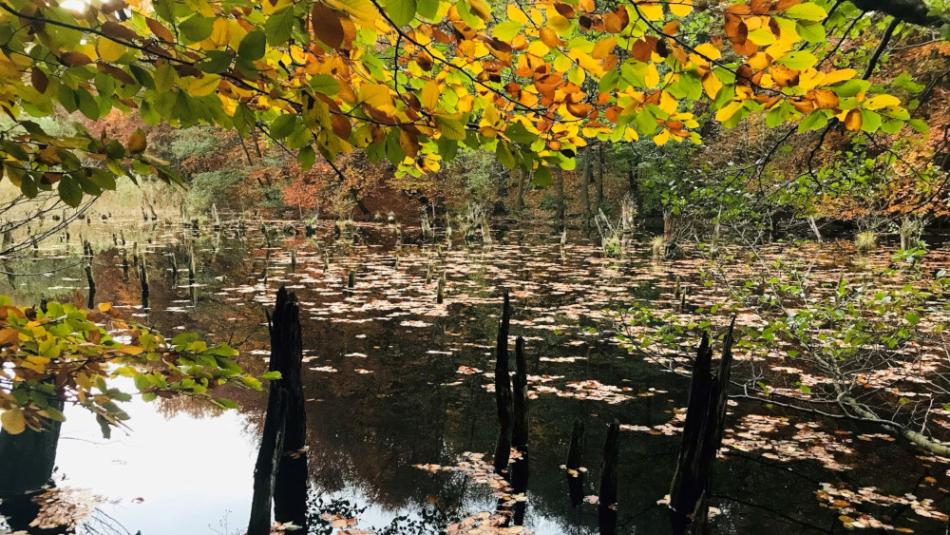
(399, 389)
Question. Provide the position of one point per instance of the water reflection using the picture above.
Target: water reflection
(394, 380)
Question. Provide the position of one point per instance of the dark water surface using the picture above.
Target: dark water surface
(397, 383)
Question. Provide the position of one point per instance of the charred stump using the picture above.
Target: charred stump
(702, 437)
(280, 473)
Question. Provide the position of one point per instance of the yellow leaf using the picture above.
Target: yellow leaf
(853, 120)
(12, 421)
(651, 11)
(131, 350)
(516, 14)
(709, 50)
(711, 84)
(726, 112)
(105, 307)
(661, 138)
(110, 51)
(604, 47)
(207, 84)
(430, 95)
(882, 101)
(681, 8)
(651, 76)
(839, 75)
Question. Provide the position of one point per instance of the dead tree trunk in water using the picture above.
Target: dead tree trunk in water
(503, 390)
(28, 460)
(607, 499)
(290, 492)
(281, 469)
(702, 436)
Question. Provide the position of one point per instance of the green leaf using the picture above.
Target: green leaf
(541, 177)
(451, 128)
(815, 121)
(69, 191)
(519, 134)
(283, 126)
(811, 32)
(279, 26)
(218, 61)
(427, 8)
(870, 121)
(401, 11)
(851, 88)
(196, 28)
(252, 46)
(87, 104)
(798, 60)
(806, 11)
(919, 125)
(326, 84)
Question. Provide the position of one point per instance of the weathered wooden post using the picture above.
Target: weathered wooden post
(281, 469)
(440, 291)
(503, 389)
(702, 436)
(607, 498)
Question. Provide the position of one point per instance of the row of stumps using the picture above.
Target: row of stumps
(702, 438)
(280, 473)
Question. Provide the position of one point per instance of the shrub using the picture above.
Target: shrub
(658, 246)
(865, 241)
(212, 186)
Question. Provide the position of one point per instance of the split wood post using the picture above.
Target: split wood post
(503, 389)
(607, 498)
(702, 437)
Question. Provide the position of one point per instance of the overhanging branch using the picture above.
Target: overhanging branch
(910, 11)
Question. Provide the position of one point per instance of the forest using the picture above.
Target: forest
(484, 267)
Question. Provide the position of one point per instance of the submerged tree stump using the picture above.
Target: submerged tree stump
(281, 469)
(702, 437)
(503, 389)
